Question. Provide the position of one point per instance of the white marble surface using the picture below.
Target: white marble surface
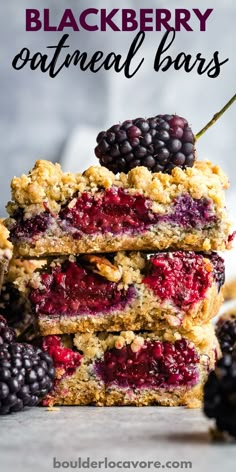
(29, 440)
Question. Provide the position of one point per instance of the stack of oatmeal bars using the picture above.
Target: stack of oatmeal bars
(132, 279)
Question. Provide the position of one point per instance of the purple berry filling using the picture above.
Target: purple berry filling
(31, 227)
(116, 211)
(73, 290)
(219, 268)
(156, 365)
(190, 213)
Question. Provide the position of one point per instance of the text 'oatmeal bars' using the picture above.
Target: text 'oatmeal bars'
(125, 290)
(131, 368)
(53, 213)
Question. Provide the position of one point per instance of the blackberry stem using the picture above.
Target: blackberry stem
(215, 118)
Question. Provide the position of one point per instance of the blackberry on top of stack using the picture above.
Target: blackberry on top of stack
(159, 143)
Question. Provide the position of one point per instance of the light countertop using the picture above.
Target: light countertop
(31, 439)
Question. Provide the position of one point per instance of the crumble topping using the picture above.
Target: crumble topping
(47, 184)
(132, 264)
(95, 344)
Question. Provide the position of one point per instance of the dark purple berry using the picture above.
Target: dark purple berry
(226, 332)
(160, 143)
(174, 145)
(27, 385)
(220, 394)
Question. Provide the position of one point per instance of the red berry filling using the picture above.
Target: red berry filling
(117, 211)
(114, 210)
(63, 357)
(71, 290)
(156, 365)
(181, 277)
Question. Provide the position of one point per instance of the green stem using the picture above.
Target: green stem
(215, 118)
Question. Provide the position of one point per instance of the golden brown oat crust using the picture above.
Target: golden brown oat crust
(47, 183)
(162, 238)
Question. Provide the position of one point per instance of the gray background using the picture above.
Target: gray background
(37, 114)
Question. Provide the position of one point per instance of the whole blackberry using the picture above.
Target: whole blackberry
(159, 143)
(26, 376)
(220, 394)
(226, 332)
(7, 335)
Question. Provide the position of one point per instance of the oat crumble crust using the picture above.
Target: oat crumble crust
(84, 388)
(47, 184)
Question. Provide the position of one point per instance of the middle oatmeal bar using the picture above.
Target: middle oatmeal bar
(126, 291)
(54, 213)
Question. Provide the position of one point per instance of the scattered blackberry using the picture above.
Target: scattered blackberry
(159, 143)
(226, 332)
(220, 394)
(7, 335)
(26, 376)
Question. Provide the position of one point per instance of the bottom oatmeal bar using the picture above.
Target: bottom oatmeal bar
(131, 368)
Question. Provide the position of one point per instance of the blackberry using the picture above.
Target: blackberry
(26, 376)
(159, 143)
(7, 335)
(220, 394)
(226, 332)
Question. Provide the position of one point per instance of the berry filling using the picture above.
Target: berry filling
(64, 358)
(30, 227)
(181, 277)
(219, 268)
(116, 211)
(156, 365)
(70, 289)
(190, 213)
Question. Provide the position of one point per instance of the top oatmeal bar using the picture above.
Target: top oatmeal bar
(53, 213)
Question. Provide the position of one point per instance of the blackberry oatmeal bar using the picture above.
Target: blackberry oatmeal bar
(53, 213)
(131, 368)
(126, 290)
